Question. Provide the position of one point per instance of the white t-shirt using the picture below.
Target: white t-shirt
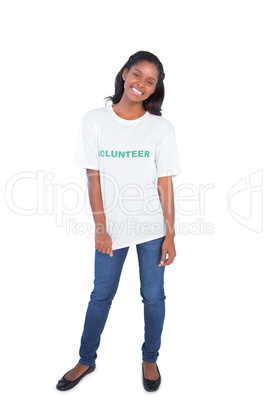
(130, 155)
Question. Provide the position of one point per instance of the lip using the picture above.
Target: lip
(137, 90)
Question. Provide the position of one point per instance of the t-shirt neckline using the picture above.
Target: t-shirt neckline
(125, 121)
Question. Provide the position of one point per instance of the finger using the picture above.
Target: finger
(98, 246)
(105, 248)
(167, 262)
(162, 263)
(110, 251)
(170, 259)
(163, 259)
(101, 246)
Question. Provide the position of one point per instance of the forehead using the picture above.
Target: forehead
(147, 68)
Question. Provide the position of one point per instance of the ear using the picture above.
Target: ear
(124, 74)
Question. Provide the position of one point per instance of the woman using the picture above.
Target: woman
(129, 152)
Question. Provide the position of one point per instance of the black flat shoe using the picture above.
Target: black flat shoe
(64, 385)
(151, 385)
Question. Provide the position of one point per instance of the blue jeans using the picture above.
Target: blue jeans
(107, 275)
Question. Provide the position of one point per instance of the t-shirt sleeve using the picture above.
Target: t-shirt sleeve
(167, 157)
(86, 153)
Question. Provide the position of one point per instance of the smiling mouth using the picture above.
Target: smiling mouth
(136, 91)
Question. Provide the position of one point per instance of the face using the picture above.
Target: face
(140, 80)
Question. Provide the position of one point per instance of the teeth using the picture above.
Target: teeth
(135, 90)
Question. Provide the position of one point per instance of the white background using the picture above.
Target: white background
(59, 60)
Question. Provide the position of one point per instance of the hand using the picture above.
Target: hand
(103, 243)
(168, 247)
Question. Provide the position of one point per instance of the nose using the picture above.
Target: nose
(140, 83)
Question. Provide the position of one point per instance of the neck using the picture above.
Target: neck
(129, 110)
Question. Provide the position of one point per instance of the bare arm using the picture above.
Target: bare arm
(103, 241)
(166, 195)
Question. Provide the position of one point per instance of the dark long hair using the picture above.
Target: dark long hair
(154, 102)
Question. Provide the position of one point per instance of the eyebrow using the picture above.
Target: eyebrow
(151, 78)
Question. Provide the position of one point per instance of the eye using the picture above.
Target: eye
(136, 75)
(150, 82)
